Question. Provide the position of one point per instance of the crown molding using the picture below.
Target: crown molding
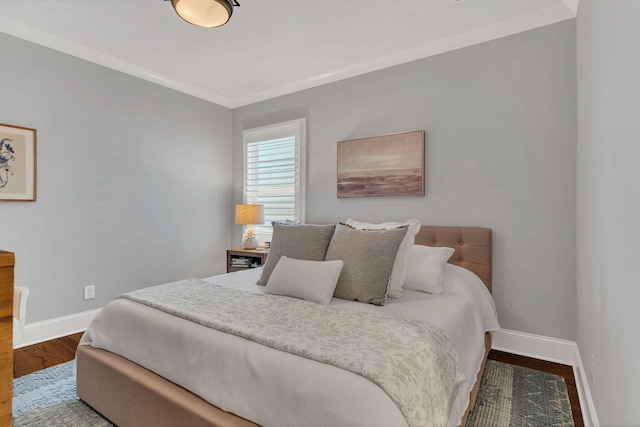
(36, 36)
(565, 10)
(551, 15)
(572, 5)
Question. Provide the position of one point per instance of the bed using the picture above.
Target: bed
(122, 371)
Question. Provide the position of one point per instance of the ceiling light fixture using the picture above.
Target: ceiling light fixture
(205, 13)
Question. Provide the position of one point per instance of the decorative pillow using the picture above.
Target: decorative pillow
(426, 268)
(368, 257)
(309, 280)
(399, 273)
(302, 241)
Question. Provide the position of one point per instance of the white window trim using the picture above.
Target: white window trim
(296, 127)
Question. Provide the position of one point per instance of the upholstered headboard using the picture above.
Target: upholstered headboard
(472, 245)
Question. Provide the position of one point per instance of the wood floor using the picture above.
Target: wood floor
(44, 355)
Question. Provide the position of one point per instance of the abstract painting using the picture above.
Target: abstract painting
(382, 166)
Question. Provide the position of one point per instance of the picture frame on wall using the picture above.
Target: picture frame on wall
(17, 163)
(382, 166)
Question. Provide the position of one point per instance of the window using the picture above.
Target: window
(274, 172)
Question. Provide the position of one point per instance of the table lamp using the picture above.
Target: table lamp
(249, 215)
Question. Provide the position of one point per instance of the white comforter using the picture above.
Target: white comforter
(276, 388)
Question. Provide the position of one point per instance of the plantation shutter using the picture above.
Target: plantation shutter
(273, 175)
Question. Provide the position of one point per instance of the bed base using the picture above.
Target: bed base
(130, 395)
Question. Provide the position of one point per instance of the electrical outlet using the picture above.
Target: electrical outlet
(89, 292)
(593, 368)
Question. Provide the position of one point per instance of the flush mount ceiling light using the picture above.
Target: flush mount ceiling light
(205, 13)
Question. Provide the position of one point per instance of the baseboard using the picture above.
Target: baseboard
(553, 350)
(536, 346)
(46, 330)
(584, 394)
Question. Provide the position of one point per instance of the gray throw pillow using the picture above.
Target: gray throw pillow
(368, 257)
(303, 241)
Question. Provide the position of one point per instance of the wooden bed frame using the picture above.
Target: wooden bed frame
(130, 395)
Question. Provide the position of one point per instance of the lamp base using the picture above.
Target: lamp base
(250, 243)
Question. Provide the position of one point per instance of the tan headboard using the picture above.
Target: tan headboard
(472, 245)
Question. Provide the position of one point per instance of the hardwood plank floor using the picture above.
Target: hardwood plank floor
(46, 354)
(49, 353)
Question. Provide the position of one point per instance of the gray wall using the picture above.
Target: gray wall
(135, 187)
(501, 153)
(134, 181)
(608, 272)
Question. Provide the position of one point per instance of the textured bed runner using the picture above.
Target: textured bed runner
(413, 362)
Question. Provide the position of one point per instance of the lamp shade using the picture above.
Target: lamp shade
(249, 214)
(204, 13)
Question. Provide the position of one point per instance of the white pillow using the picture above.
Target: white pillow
(426, 268)
(308, 280)
(401, 264)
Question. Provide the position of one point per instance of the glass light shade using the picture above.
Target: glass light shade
(204, 13)
(249, 214)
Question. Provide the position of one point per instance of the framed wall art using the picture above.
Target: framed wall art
(382, 166)
(17, 163)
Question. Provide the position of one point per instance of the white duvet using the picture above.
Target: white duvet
(275, 388)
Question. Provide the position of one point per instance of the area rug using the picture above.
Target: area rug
(48, 398)
(512, 396)
(509, 396)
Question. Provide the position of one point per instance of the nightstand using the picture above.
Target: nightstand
(242, 259)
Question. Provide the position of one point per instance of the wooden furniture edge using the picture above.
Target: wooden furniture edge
(7, 259)
(260, 253)
(7, 262)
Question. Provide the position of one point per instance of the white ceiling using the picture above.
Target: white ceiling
(269, 47)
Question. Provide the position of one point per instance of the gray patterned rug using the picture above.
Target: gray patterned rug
(519, 397)
(47, 398)
(509, 396)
